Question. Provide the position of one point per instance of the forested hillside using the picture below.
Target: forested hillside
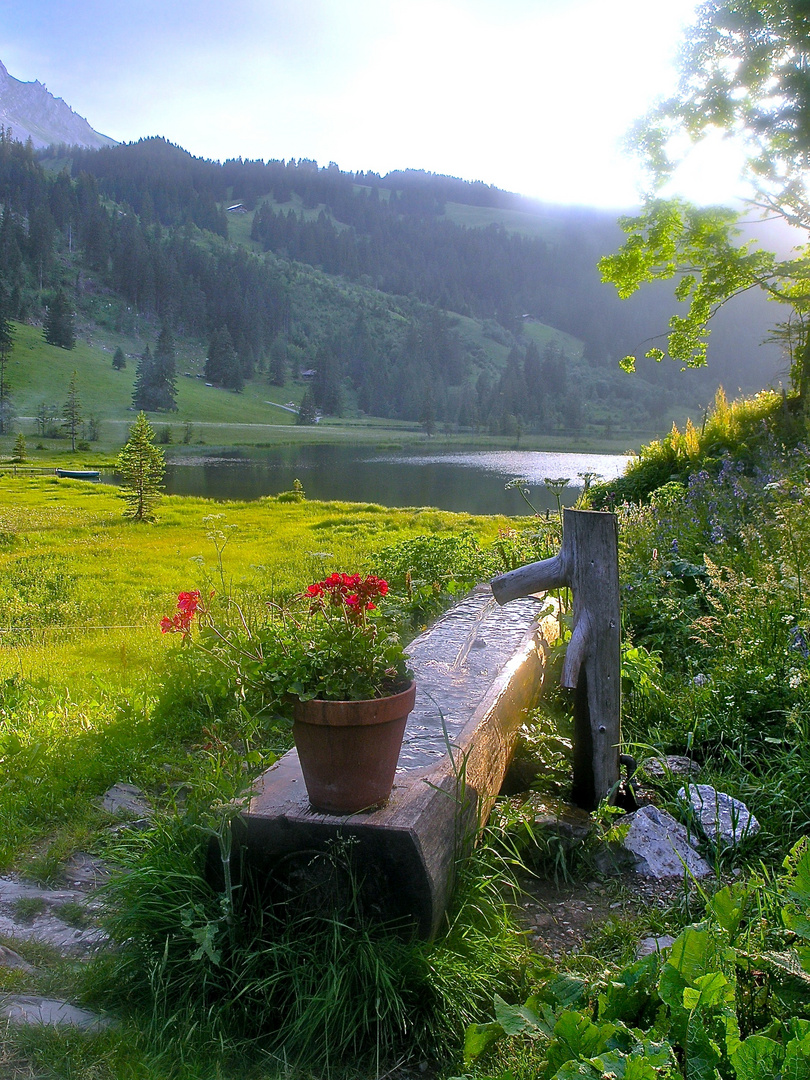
(410, 296)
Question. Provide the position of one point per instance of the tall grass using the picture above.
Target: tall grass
(313, 984)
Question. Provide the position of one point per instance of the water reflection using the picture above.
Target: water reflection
(471, 482)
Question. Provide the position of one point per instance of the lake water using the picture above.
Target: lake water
(471, 482)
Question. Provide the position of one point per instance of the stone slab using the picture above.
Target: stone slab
(21, 1009)
(721, 818)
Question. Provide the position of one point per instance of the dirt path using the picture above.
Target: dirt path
(559, 918)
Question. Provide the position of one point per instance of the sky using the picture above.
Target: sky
(533, 96)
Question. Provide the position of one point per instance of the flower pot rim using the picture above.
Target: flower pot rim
(410, 687)
(359, 711)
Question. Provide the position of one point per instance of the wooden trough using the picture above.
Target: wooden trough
(478, 670)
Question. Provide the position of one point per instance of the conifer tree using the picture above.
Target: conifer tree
(222, 364)
(306, 410)
(6, 342)
(141, 465)
(119, 361)
(58, 327)
(164, 372)
(143, 395)
(19, 453)
(72, 411)
(277, 368)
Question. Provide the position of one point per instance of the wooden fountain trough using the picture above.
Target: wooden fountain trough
(478, 670)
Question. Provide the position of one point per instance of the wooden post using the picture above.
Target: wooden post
(588, 562)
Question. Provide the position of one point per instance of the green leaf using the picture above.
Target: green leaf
(567, 990)
(797, 1054)
(727, 906)
(515, 1018)
(702, 1053)
(576, 1037)
(712, 989)
(628, 364)
(692, 954)
(632, 988)
(478, 1038)
(758, 1058)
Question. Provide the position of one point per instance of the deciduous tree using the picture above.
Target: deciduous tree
(745, 71)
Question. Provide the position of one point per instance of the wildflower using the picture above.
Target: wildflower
(188, 604)
(799, 642)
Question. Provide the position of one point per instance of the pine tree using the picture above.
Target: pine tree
(6, 343)
(306, 410)
(165, 372)
(19, 453)
(72, 411)
(119, 361)
(58, 327)
(141, 465)
(143, 396)
(222, 364)
(277, 368)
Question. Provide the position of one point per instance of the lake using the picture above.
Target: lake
(470, 481)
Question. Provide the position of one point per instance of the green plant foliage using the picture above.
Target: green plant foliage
(681, 1011)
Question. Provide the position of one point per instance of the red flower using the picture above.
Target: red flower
(180, 622)
(188, 602)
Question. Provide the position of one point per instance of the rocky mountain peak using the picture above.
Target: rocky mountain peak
(31, 111)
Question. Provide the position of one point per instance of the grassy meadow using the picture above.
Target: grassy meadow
(714, 534)
(82, 591)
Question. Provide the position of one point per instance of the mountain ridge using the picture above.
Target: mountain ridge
(30, 110)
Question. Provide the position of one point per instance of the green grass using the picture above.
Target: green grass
(82, 591)
(39, 373)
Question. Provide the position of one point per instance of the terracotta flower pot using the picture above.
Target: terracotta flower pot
(349, 749)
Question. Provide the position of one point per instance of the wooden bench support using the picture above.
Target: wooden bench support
(477, 671)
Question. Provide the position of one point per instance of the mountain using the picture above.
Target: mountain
(31, 111)
(412, 297)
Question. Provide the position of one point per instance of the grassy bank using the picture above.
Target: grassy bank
(82, 591)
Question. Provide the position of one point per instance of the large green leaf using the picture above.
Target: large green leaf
(630, 991)
(478, 1038)
(727, 905)
(576, 1037)
(702, 1052)
(515, 1019)
(758, 1058)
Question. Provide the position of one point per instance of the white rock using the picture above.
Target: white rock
(723, 820)
(661, 846)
